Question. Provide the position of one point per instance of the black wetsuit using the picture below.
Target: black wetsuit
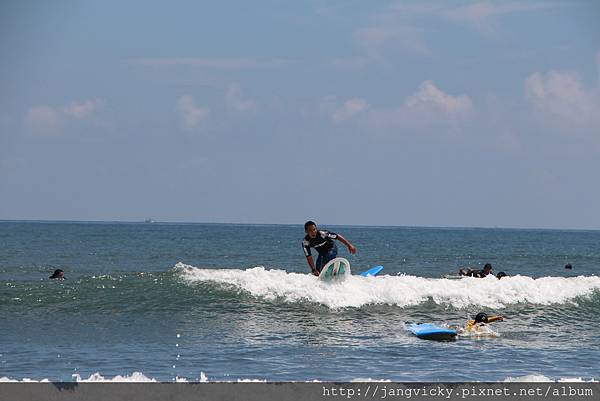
(324, 245)
(477, 273)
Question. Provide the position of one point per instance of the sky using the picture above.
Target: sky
(404, 113)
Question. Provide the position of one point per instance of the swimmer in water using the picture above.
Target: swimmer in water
(480, 322)
(58, 275)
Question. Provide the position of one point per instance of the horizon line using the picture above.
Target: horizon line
(152, 221)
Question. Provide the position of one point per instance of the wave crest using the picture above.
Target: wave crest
(402, 290)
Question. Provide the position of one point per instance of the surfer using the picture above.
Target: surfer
(487, 269)
(322, 241)
(58, 275)
(480, 322)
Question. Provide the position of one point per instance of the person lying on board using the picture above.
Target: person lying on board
(322, 241)
(487, 269)
(481, 320)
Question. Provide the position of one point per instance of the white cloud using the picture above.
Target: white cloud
(82, 110)
(235, 99)
(338, 113)
(560, 101)
(349, 109)
(43, 118)
(395, 28)
(47, 118)
(429, 106)
(479, 16)
(476, 16)
(190, 114)
(431, 101)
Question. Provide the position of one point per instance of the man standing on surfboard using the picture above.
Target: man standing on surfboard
(322, 241)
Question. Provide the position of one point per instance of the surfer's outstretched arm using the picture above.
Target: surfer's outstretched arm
(344, 241)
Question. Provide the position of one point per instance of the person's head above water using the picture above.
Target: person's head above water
(310, 228)
(568, 266)
(501, 274)
(58, 273)
(487, 268)
(481, 317)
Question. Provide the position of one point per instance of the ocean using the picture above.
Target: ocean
(226, 302)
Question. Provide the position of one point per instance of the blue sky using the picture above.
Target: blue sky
(346, 112)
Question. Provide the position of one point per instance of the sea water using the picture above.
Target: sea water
(217, 302)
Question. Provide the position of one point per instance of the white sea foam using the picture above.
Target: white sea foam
(369, 380)
(97, 377)
(23, 380)
(542, 378)
(528, 378)
(402, 290)
(135, 377)
(138, 377)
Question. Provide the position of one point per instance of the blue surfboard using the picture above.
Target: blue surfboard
(429, 331)
(372, 271)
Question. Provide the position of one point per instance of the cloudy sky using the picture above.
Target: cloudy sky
(346, 112)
